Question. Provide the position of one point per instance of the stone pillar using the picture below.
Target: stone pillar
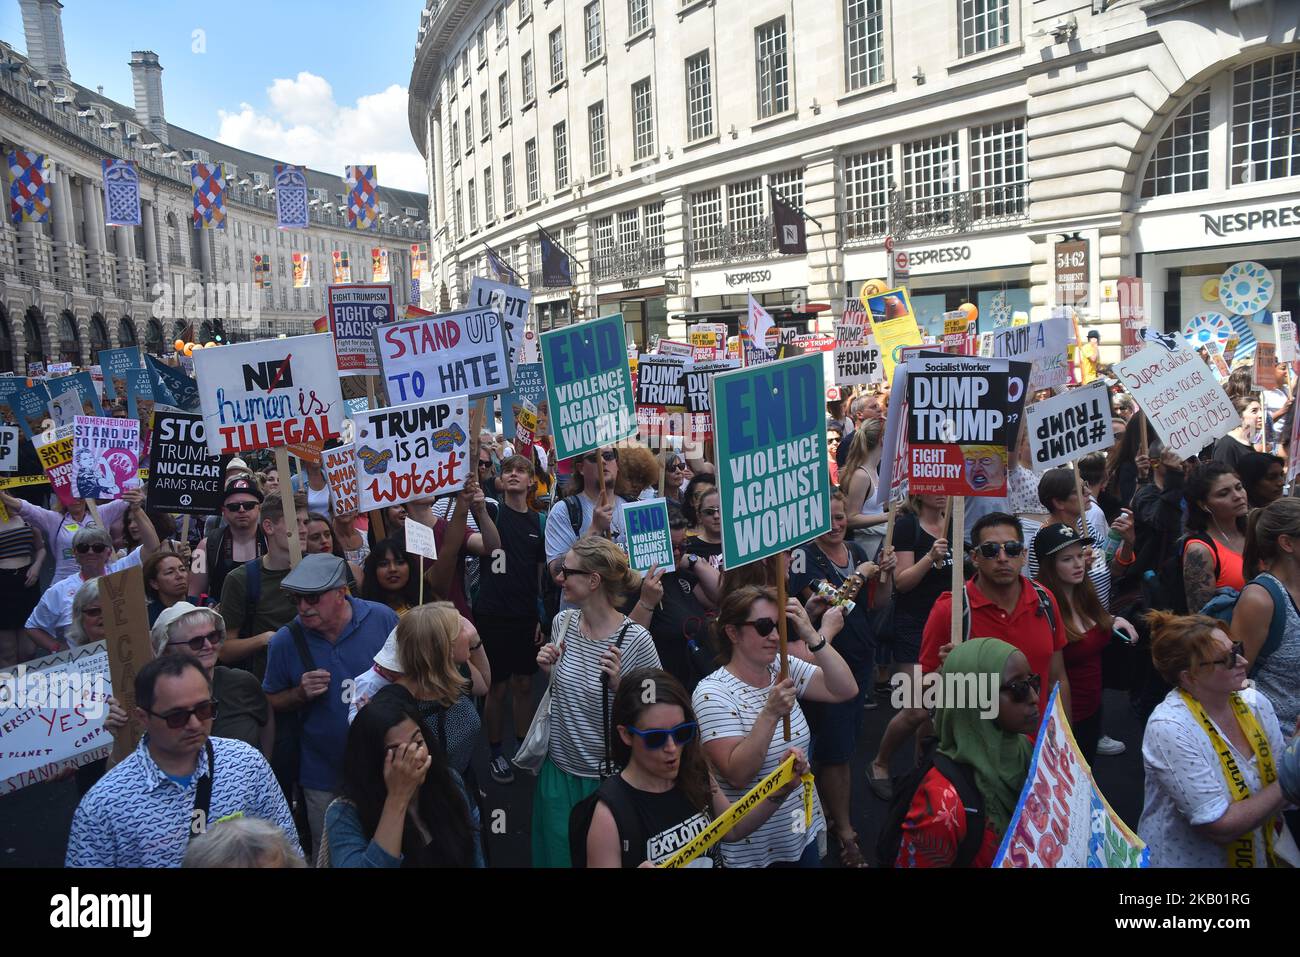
(147, 213)
(61, 213)
(675, 260)
(825, 259)
(89, 205)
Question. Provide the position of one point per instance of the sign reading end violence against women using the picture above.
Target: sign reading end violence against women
(354, 311)
(649, 542)
(412, 451)
(1185, 405)
(1067, 427)
(588, 385)
(456, 353)
(269, 393)
(184, 476)
(773, 476)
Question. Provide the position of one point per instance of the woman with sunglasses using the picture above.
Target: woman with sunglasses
(592, 645)
(705, 539)
(1210, 753)
(62, 523)
(988, 756)
(740, 707)
(696, 486)
(585, 509)
(665, 794)
(676, 474)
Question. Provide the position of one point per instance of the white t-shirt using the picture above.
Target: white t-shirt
(53, 614)
(365, 686)
(1186, 787)
(727, 707)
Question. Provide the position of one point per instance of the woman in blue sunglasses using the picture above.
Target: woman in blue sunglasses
(665, 794)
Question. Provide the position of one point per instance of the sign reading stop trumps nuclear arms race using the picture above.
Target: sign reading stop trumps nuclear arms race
(457, 353)
(588, 385)
(774, 479)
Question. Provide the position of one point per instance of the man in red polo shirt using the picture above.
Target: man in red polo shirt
(1003, 604)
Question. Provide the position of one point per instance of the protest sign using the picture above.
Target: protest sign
(1068, 426)
(588, 385)
(649, 542)
(1184, 404)
(174, 387)
(126, 633)
(354, 311)
(958, 332)
(699, 383)
(420, 539)
(8, 448)
(107, 456)
(53, 709)
(452, 354)
(85, 389)
(117, 364)
(770, 430)
(1264, 374)
(340, 465)
(708, 341)
(512, 302)
(530, 386)
(893, 324)
(269, 393)
(184, 476)
(65, 408)
(1132, 314)
(9, 386)
(60, 368)
(526, 419)
(30, 405)
(669, 347)
(1042, 343)
(54, 449)
(1062, 819)
(1286, 337)
(858, 364)
(661, 381)
(412, 451)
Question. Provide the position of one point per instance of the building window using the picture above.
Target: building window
(489, 202)
(788, 185)
(602, 241)
(482, 45)
(460, 220)
(534, 176)
(643, 120)
(560, 139)
(455, 141)
(469, 130)
(629, 232)
(706, 224)
(464, 65)
(484, 113)
(525, 10)
(699, 97)
(864, 42)
(557, 55)
(499, 23)
(773, 76)
(595, 30)
(867, 179)
(652, 225)
(526, 67)
(931, 179)
(638, 16)
(997, 170)
(596, 132)
(1266, 120)
(745, 203)
(503, 95)
(1181, 161)
(983, 25)
(473, 206)
(742, 229)
(507, 184)
(629, 243)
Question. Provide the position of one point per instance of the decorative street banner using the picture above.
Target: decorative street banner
(354, 312)
(456, 353)
(412, 451)
(269, 393)
(588, 385)
(1062, 818)
(342, 268)
(53, 709)
(960, 418)
(172, 387)
(420, 261)
(379, 264)
(121, 193)
(1185, 405)
(184, 476)
(661, 381)
(301, 270)
(30, 405)
(107, 456)
(290, 196)
(28, 200)
(340, 464)
(208, 185)
(118, 365)
(1042, 343)
(770, 435)
(513, 304)
(893, 324)
(82, 384)
(649, 542)
(54, 449)
(363, 205)
(8, 448)
(858, 363)
(1066, 427)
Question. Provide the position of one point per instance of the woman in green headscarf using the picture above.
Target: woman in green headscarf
(981, 760)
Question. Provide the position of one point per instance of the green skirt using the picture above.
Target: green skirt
(554, 797)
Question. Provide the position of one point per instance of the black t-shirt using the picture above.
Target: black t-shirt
(510, 587)
(909, 536)
(678, 620)
(854, 642)
(709, 551)
(662, 823)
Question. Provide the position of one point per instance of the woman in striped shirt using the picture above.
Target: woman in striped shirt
(595, 644)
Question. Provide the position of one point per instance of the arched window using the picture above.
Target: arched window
(1266, 119)
(153, 337)
(69, 339)
(98, 337)
(6, 343)
(34, 332)
(126, 332)
(1181, 161)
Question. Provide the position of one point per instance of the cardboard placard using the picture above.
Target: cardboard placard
(661, 381)
(708, 341)
(412, 451)
(65, 408)
(340, 465)
(420, 539)
(588, 385)
(30, 406)
(354, 311)
(54, 449)
(513, 303)
(1042, 343)
(1132, 314)
(83, 386)
(1066, 427)
(184, 476)
(175, 387)
(649, 542)
(893, 324)
(699, 383)
(1264, 373)
(117, 365)
(126, 633)
(1181, 399)
(106, 453)
(858, 364)
(453, 354)
(530, 386)
(9, 437)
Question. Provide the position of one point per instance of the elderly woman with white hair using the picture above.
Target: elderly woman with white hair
(242, 842)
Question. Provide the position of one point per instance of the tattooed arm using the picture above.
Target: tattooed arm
(1198, 576)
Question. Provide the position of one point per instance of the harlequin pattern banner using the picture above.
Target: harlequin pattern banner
(28, 202)
(209, 187)
(261, 270)
(121, 193)
(419, 257)
(290, 196)
(363, 206)
(378, 265)
(342, 268)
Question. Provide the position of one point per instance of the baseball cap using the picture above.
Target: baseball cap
(1094, 334)
(1052, 538)
(316, 574)
(242, 486)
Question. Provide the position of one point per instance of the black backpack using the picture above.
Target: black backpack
(1044, 609)
(580, 819)
(1168, 590)
(890, 838)
(550, 588)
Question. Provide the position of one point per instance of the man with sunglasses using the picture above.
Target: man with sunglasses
(587, 510)
(1003, 604)
(178, 781)
(239, 541)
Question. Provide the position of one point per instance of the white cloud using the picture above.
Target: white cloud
(304, 125)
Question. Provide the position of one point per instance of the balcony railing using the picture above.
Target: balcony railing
(628, 263)
(731, 244)
(991, 207)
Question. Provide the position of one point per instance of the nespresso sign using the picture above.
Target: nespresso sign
(1223, 224)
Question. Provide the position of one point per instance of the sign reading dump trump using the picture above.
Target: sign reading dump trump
(412, 451)
(774, 476)
(269, 393)
(456, 353)
(588, 385)
(1068, 426)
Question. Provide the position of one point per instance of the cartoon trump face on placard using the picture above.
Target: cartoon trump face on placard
(986, 467)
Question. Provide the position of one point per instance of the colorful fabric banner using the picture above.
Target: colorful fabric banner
(121, 193)
(363, 204)
(754, 326)
(208, 185)
(28, 200)
(342, 268)
(378, 264)
(261, 270)
(301, 270)
(290, 196)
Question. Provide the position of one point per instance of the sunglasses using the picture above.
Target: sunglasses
(204, 711)
(656, 738)
(196, 643)
(711, 510)
(609, 456)
(309, 599)
(764, 626)
(1229, 661)
(677, 467)
(241, 506)
(98, 548)
(1019, 691)
(991, 549)
(565, 572)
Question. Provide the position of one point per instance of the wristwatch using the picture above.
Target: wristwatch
(691, 560)
(817, 647)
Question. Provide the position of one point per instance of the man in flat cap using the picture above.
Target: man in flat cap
(333, 638)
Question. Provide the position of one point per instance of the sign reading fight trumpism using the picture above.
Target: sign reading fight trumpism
(1185, 405)
(1066, 427)
(412, 451)
(648, 540)
(513, 304)
(269, 393)
(354, 311)
(184, 476)
(770, 433)
(588, 385)
(454, 354)
(340, 466)
(1062, 818)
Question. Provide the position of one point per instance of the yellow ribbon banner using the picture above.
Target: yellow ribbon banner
(759, 793)
(13, 481)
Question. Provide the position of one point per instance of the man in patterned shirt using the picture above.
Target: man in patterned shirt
(144, 812)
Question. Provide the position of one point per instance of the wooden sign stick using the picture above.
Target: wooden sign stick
(377, 515)
(958, 566)
(421, 601)
(782, 631)
(93, 506)
(1083, 502)
(185, 530)
(889, 527)
(290, 509)
(475, 431)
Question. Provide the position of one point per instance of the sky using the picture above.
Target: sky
(321, 83)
